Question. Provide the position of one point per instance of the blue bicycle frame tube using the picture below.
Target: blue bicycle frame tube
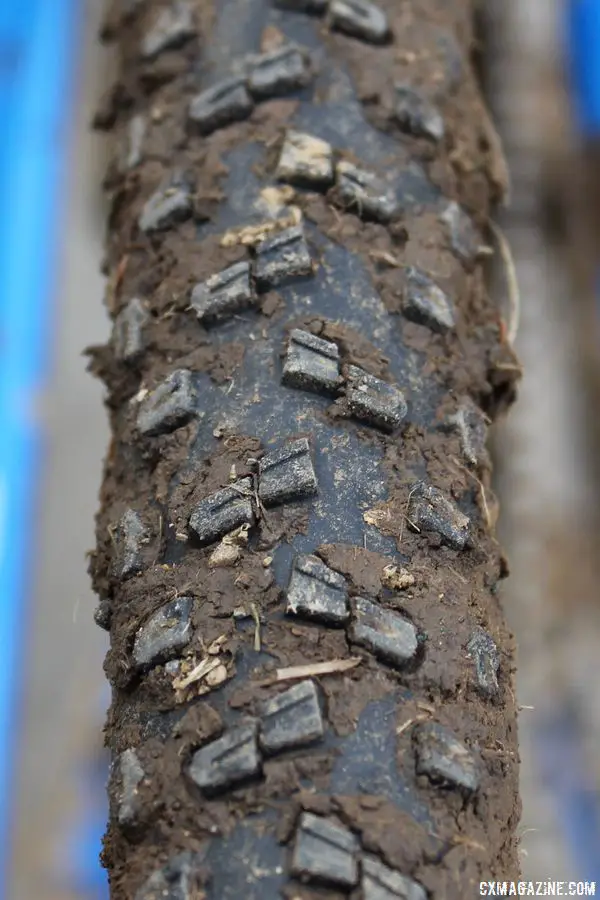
(37, 39)
(582, 28)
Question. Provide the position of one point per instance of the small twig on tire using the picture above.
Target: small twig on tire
(512, 282)
(459, 841)
(256, 618)
(508, 367)
(522, 835)
(387, 258)
(484, 504)
(313, 670)
(412, 721)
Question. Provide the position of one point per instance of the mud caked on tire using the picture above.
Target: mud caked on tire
(311, 672)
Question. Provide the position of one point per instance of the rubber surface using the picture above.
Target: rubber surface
(304, 366)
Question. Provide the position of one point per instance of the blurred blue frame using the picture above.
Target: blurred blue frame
(582, 33)
(37, 52)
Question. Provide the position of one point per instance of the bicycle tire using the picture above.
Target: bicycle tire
(304, 364)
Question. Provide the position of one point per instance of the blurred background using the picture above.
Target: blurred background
(539, 74)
